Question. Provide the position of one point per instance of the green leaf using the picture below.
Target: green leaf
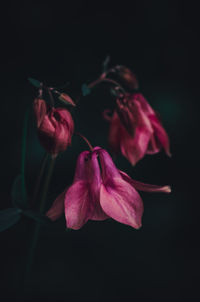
(85, 90)
(9, 217)
(17, 193)
(37, 217)
(34, 82)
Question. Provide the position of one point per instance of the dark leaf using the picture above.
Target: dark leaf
(85, 90)
(17, 193)
(37, 217)
(9, 217)
(34, 82)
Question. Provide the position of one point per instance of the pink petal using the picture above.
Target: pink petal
(154, 145)
(122, 202)
(118, 198)
(78, 209)
(82, 198)
(160, 133)
(134, 148)
(143, 102)
(144, 187)
(40, 110)
(57, 209)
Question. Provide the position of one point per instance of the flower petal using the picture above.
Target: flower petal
(118, 198)
(122, 202)
(57, 208)
(40, 110)
(78, 209)
(160, 133)
(134, 148)
(82, 198)
(140, 186)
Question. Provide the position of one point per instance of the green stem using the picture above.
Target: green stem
(37, 225)
(23, 156)
(39, 178)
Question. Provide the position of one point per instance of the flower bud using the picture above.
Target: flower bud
(55, 127)
(127, 77)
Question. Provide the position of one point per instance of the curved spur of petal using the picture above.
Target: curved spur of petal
(57, 208)
(122, 202)
(140, 186)
(160, 133)
(109, 170)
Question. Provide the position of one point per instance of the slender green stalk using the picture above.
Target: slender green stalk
(36, 230)
(39, 178)
(23, 156)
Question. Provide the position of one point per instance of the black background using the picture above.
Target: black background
(58, 42)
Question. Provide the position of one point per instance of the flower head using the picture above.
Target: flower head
(55, 127)
(100, 191)
(136, 130)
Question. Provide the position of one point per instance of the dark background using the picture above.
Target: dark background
(58, 42)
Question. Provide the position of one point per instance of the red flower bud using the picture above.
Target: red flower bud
(55, 127)
(127, 77)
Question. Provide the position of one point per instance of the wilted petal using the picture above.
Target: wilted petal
(160, 133)
(118, 198)
(144, 187)
(154, 145)
(134, 148)
(144, 104)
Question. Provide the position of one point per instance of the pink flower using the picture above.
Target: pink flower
(55, 127)
(136, 130)
(101, 191)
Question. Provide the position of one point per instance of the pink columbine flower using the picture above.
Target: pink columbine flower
(100, 191)
(136, 130)
(55, 126)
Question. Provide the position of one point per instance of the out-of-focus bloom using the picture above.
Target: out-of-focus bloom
(101, 191)
(127, 77)
(55, 126)
(136, 130)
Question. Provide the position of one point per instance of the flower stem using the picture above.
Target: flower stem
(36, 230)
(39, 178)
(51, 97)
(86, 140)
(108, 80)
(23, 156)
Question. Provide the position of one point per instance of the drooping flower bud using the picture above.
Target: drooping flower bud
(127, 77)
(55, 126)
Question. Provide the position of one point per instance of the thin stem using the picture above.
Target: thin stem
(108, 80)
(86, 140)
(46, 185)
(23, 157)
(39, 178)
(37, 224)
(51, 97)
